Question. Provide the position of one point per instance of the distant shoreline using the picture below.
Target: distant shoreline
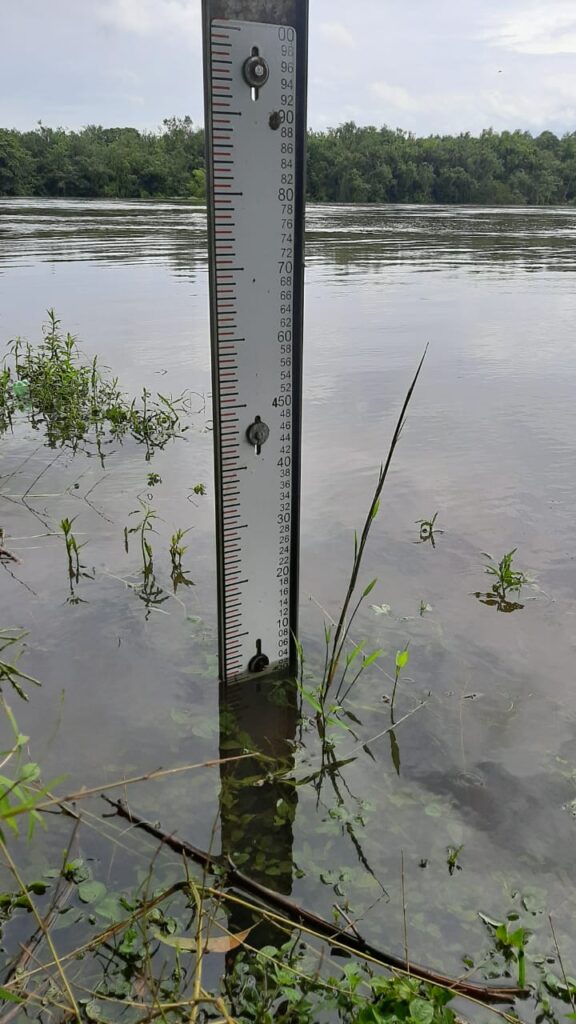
(345, 165)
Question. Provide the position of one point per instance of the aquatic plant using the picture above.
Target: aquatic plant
(452, 858)
(142, 529)
(402, 659)
(72, 549)
(428, 530)
(507, 578)
(336, 638)
(75, 403)
(9, 671)
(177, 550)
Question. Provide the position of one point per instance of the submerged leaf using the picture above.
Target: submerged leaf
(90, 892)
(217, 944)
(394, 751)
(381, 609)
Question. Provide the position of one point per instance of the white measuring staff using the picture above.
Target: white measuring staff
(255, 55)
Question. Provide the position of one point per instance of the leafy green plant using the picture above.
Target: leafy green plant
(513, 943)
(75, 403)
(285, 984)
(452, 858)
(510, 941)
(401, 661)
(19, 793)
(177, 550)
(507, 578)
(72, 549)
(9, 671)
(142, 530)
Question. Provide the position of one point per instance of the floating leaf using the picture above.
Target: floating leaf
(225, 943)
(534, 901)
(180, 942)
(110, 908)
(381, 609)
(217, 944)
(90, 892)
(490, 921)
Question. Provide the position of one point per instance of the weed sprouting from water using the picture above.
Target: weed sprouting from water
(337, 639)
(428, 530)
(142, 530)
(511, 943)
(72, 549)
(452, 858)
(177, 550)
(507, 578)
(507, 581)
(76, 403)
(402, 659)
(9, 671)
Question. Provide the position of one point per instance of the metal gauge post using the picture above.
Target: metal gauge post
(255, 64)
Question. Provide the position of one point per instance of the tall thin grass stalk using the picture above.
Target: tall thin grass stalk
(344, 621)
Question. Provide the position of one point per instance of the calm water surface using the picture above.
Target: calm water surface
(487, 759)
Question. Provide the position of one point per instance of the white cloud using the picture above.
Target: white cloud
(397, 97)
(335, 32)
(150, 17)
(536, 111)
(554, 101)
(537, 28)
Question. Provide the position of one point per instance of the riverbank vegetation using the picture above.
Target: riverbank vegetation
(348, 164)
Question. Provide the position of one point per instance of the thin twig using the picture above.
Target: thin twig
(404, 921)
(311, 921)
(42, 926)
(569, 988)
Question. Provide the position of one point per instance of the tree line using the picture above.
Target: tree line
(348, 164)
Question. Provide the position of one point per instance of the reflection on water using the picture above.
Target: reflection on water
(486, 759)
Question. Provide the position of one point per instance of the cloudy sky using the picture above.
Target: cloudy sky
(442, 66)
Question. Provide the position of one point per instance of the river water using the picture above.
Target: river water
(486, 759)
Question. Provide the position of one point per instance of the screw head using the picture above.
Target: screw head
(257, 433)
(258, 663)
(255, 71)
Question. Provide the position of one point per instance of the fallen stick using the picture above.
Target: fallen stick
(306, 918)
